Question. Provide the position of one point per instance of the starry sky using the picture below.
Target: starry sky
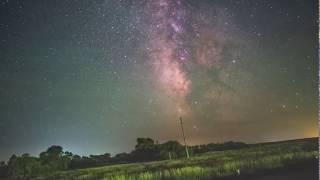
(92, 76)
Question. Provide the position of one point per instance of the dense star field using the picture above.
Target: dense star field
(92, 76)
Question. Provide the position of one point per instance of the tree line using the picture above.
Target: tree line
(56, 159)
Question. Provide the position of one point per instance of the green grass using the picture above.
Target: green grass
(252, 160)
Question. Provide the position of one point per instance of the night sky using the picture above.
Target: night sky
(92, 76)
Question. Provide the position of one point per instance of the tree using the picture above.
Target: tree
(25, 166)
(13, 166)
(103, 159)
(145, 150)
(122, 158)
(144, 143)
(174, 147)
(3, 169)
(55, 158)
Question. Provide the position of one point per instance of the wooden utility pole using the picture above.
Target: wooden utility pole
(184, 138)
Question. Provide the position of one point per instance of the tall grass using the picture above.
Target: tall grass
(228, 168)
(205, 166)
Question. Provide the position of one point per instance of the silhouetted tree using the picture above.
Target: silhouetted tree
(122, 158)
(23, 166)
(3, 169)
(145, 150)
(174, 147)
(55, 159)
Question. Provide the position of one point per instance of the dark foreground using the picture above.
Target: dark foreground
(303, 171)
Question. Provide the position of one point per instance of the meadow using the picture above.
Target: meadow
(256, 159)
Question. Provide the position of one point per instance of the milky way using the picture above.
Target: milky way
(169, 47)
(166, 48)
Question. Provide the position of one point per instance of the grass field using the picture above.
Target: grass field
(256, 159)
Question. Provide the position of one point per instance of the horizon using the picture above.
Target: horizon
(115, 153)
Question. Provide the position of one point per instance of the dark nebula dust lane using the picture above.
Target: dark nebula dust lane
(94, 76)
